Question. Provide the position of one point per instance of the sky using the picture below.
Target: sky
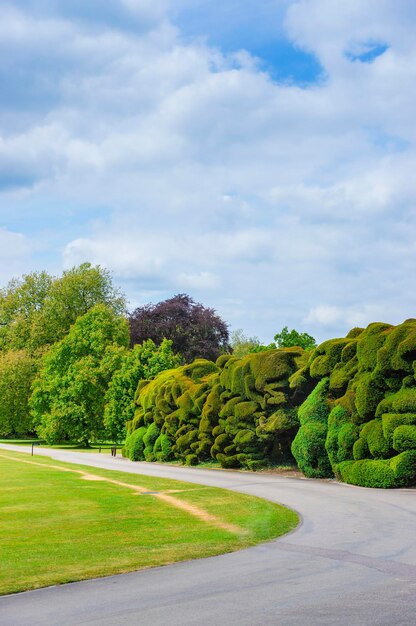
(259, 156)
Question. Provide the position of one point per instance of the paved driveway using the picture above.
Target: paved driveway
(351, 562)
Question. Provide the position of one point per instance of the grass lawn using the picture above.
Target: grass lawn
(60, 522)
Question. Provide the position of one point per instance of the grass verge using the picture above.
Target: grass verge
(60, 525)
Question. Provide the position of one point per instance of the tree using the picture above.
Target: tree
(73, 294)
(143, 362)
(38, 310)
(195, 331)
(289, 338)
(242, 345)
(20, 303)
(68, 395)
(17, 371)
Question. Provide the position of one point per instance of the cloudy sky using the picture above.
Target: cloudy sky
(259, 156)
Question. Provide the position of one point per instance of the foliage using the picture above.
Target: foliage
(17, 371)
(241, 345)
(347, 407)
(142, 362)
(239, 412)
(38, 309)
(195, 331)
(68, 395)
(398, 471)
(134, 446)
(77, 291)
(291, 338)
(308, 447)
(21, 303)
(373, 389)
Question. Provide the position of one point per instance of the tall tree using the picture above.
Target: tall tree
(195, 330)
(68, 395)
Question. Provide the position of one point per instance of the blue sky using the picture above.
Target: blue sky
(259, 156)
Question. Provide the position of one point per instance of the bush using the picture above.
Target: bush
(134, 446)
(391, 421)
(163, 448)
(367, 473)
(149, 440)
(308, 447)
(404, 438)
(341, 436)
(404, 468)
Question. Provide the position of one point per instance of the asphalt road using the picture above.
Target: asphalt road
(351, 562)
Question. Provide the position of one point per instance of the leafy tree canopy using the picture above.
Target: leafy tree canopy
(17, 371)
(143, 362)
(68, 395)
(289, 338)
(195, 331)
(242, 345)
(38, 310)
(20, 302)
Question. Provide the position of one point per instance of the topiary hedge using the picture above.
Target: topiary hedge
(346, 408)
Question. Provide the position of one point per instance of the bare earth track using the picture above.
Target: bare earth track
(352, 562)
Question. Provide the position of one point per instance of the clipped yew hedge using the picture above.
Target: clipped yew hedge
(345, 409)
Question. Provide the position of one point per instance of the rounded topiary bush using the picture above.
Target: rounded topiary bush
(367, 473)
(308, 448)
(404, 468)
(341, 436)
(149, 440)
(163, 448)
(404, 438)
(134, 446)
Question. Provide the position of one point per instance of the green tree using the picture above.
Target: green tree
(289, 338)
(68, 395)
(17, 371)
(73, 294)
(38, 310)
(20, 303)
(242, 345)
(143, 362)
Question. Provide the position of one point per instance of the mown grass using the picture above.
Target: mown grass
(57, 527)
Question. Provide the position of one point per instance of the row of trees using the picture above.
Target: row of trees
(71, 356)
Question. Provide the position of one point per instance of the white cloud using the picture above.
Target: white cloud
(277, 205)
(330, 317)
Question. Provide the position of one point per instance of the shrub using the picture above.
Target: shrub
(341, 436)
(163, 448)
(149, 440)
(404, 468)
(404, 438)
(134, 446)
(308, 447)
(367, 473)
(391, 421)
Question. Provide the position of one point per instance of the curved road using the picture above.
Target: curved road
(351, 562)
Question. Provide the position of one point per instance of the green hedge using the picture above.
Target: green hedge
(347, 408)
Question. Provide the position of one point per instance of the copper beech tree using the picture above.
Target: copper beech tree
(195, 331)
